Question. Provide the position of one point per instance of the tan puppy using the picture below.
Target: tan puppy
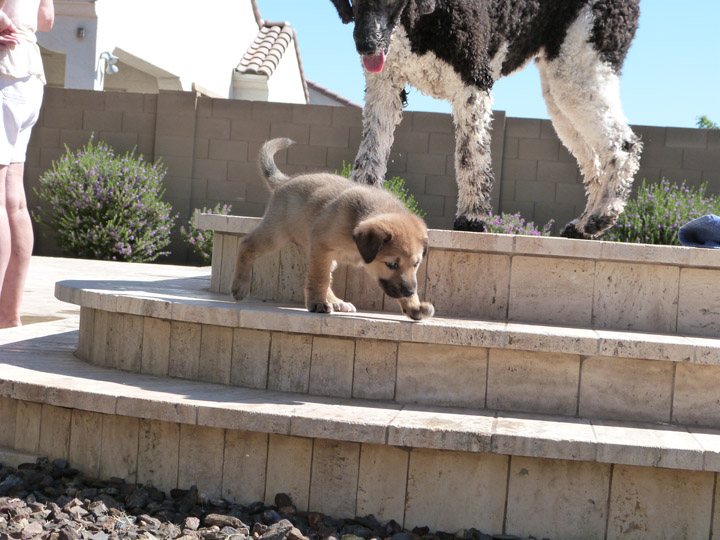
(336, 220)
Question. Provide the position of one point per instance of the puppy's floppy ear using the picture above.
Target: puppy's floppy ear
(370, 239)
(425, 6)
(345, 10)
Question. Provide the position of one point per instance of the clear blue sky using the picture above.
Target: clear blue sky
(671, 75)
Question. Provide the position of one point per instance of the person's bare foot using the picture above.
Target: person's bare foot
(10, 323)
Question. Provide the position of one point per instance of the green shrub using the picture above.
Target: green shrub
(394, 185)
(515, 224)
(200, 241)
(106, 207)
(659, 210)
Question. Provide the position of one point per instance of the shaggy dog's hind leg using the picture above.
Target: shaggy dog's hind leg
(472, 115)
(583, 97)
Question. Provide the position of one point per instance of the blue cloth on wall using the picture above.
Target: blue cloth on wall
(701, 232)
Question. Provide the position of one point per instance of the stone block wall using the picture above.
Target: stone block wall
(210, 148)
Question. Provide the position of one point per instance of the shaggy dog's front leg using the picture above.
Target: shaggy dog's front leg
(382, 112)
(473, 172)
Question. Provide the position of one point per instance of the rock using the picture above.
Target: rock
(192, 523)
(224, 521)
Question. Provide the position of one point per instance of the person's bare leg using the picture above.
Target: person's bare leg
(19, 227)
(5, 245)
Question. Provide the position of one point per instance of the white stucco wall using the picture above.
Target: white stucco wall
(198, 42)
(286, 83)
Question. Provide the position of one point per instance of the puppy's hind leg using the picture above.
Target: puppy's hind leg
(264, 239)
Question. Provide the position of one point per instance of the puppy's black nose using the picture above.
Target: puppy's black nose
(407, 291)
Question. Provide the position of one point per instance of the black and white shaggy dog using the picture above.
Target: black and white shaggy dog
(456, 49)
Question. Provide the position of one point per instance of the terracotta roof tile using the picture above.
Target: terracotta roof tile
(265, 53)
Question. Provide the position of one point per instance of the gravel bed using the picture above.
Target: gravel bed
(52, 501)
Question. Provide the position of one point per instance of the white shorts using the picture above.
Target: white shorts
(21, 100)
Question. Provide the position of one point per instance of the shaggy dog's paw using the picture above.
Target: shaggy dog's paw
(571, 231)
(424, 311)
(344, 307)
(320, 307)
(472, 225)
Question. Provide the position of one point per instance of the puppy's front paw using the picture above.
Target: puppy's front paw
(320, 307)
(239, 289)
(344, 307)
(419, 313)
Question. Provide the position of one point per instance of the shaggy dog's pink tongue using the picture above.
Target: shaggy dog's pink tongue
(374, 63)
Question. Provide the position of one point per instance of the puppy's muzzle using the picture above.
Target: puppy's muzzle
(397, 290)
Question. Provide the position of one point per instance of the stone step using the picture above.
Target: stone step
(446, 468)
(178, 327)
(579, 283)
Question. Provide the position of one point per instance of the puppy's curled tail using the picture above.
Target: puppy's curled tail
(273, 176)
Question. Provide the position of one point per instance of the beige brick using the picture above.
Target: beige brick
(519, 381)
(426, 163)
(100, 336)
(331, 370)
(453, 287)
(534, 286)
(250, 357)
(557, 499)
(334, 484)
(540, 149)
(649, 502)
(695, 400)
(102, 120)
(158, 449)
(320, 115)
(55, 432)
(201, 459)
(125, 337)
(636, 297)
(265, 277)
(8, 416)
(244, 466)
(246, 129)
(288, 469)
(119, 453)
(213, 128)
(228, 149)
(184, 350)
(382, 480)
(362, 291)
(85, 441)
(375, 368)
(215, 354)
(303, 154)
(699, 304)
(292, 272)
(330, 136)
(156, 346)
(85, 333)
(289, 367)
(626, 389)
(441, 375)
(474, 488)
(522, 127)
(27, 426)
(411, 141)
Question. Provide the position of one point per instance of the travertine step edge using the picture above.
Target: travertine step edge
(59, 379)
(521, 245)
(189, 300)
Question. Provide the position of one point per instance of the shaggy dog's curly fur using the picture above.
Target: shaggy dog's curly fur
(456, 49)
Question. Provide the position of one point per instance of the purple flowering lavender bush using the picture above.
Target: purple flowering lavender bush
(515, 224)
(200, 241)
(658, 211)
(107, 207)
